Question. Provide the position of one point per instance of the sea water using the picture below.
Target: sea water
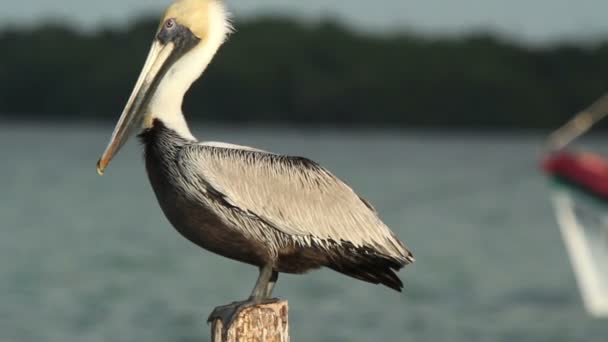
(89, 258)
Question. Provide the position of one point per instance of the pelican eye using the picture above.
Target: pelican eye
(168, 31)
(170, 23)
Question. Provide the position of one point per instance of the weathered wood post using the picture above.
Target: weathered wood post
(261, 323)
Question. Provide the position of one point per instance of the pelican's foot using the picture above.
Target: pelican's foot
(228, 313)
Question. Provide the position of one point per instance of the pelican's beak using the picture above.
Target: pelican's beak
(156, 65)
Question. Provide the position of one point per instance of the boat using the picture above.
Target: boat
(579, 194)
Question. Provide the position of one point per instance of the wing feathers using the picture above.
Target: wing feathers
(292, 194)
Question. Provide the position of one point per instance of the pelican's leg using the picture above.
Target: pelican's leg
(271, 283)
(264, 279)
(263, 287)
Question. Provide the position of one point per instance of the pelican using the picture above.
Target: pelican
(277, 212)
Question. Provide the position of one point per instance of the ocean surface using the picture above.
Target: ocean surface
(89, 258)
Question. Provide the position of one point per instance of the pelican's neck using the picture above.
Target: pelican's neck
(166, 104)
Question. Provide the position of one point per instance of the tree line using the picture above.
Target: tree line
(275, 70)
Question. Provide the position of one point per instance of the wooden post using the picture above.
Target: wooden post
(261, 323)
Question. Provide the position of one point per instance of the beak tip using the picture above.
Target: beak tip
(100, 169)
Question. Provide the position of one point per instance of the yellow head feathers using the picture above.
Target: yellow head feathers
(197, 15)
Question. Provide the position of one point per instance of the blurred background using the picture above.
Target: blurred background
(436, 111)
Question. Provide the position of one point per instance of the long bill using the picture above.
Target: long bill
(133, 113)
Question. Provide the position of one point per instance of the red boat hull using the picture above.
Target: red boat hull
(586, 171)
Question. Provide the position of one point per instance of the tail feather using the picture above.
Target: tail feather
(370, 266)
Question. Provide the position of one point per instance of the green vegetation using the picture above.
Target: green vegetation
(278, 70)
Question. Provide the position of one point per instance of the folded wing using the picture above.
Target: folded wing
(292, 194)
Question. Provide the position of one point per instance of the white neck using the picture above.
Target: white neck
(166, 104)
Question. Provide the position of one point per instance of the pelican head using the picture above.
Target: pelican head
(189, 35)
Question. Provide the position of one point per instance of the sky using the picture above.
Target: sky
(530, 21)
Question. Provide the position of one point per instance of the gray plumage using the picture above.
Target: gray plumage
(293, 195)
(268, 209)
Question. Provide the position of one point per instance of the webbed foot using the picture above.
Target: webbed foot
(228, 313)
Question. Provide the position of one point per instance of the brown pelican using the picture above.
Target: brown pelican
(277, 212)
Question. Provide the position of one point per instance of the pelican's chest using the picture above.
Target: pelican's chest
(161, 151)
